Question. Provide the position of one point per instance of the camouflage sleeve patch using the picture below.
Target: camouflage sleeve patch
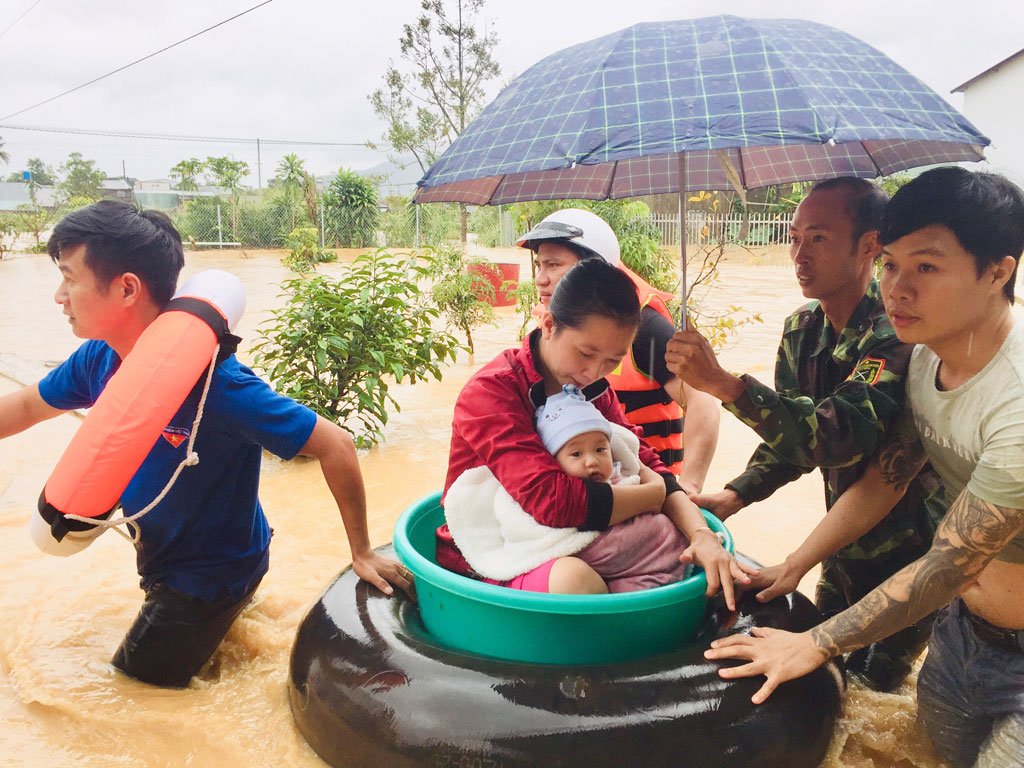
(868, 371)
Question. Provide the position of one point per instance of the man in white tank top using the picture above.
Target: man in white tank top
(952, 241)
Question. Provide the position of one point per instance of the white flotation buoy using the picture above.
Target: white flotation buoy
(134, 408)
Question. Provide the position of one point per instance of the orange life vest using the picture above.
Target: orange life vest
(644, 401)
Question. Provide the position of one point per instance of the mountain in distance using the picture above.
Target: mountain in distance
(395, 180)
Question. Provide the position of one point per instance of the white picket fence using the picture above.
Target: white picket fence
(767, 234)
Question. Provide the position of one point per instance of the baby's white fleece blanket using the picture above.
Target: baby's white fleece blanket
(498, 538)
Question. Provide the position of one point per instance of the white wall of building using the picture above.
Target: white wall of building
(995, 105)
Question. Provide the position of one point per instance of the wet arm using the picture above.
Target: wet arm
(970, 535)
(700, 433)
(334, 449)
(862, 506)
(720, 568)
(23, 409)
(766, 472)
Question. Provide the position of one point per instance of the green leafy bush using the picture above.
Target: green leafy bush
(526, 297)
(336, 345)
(399, 224)
(351, 210)
(464, 297)
(303, 244)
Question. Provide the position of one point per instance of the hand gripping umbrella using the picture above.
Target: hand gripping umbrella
(720, 102)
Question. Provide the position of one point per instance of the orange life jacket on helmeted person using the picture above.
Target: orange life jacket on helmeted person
(644, 401)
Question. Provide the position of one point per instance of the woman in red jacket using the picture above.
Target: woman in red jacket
(589, 327)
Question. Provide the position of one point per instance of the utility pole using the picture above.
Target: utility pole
(259, 167)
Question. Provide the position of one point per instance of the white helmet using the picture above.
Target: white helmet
(583, 229)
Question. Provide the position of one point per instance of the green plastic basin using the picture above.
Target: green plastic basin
(484, 619)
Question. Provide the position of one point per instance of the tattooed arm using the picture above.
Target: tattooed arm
(855, 513)
(970, 535)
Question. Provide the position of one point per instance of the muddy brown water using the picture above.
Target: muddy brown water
(63, 705)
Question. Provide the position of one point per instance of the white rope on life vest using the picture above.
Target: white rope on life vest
(190, 460)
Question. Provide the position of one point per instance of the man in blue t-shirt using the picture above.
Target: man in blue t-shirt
(203, 549)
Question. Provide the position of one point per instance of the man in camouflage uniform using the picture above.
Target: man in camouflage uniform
(839, 381)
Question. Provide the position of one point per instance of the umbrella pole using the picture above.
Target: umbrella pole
(682, 239)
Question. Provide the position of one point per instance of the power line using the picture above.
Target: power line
(137, 61)
(23, 15)
(173, 137)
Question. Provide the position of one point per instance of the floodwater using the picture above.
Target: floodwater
(63, 705)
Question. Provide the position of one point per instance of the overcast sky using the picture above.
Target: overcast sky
(301, 70)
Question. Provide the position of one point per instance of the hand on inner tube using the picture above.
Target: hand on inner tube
(774, 653)
(719, 566)
(383, 572)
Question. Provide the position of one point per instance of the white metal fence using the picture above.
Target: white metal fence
(766, 234)
(704, 229)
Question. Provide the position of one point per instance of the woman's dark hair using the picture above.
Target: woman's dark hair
(594, 287)
(120, 238)
(984, 210)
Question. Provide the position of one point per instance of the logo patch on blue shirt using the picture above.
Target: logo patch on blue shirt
(176, 435)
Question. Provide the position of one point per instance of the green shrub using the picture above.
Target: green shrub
(526, 296)
(304, 248)
(465, 298)
(399, 225)
(352, 211)
(439, 224)
(336, 344)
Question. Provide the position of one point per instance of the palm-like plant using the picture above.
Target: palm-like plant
(4, 157)
(228, 173)
(186, 173)
(292, 175)
(351, 203)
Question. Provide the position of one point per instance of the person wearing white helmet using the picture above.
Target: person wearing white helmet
(652, 397)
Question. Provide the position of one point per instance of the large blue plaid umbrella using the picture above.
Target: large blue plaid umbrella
(723, 101)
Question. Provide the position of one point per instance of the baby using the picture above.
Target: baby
(636, 554)
(504, 545)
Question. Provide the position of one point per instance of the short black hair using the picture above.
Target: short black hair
(984, 210)
(120, 238)
(595, 287)
(865, 201)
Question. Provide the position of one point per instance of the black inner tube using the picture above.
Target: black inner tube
(369, 687)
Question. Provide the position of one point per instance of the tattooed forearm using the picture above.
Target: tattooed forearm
(971, 533)
(911, 594)
(899, 461)
(980, 526)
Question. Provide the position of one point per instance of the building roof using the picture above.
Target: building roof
(116, 185)
(15, 193)
(994, 68)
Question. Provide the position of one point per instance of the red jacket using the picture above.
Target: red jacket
(494, 426)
